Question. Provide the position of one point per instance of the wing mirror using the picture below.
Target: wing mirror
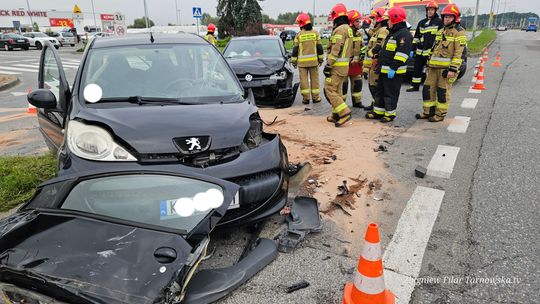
(42, 98)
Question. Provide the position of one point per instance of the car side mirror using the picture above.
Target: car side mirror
(42, 98)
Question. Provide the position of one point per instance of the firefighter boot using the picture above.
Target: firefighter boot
(413, 88)
(386, 119)
(373, 115)
(428, 112)
(369, 108)
(342, 120)
(439, 116)
(333, 117)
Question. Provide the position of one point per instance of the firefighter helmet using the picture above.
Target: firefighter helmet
(367, 20)
(337, 11)
(303, 19)
(452, 9)
(353, 16)
(380, 15)
(432, 4)
(397, 14)
(211, 28)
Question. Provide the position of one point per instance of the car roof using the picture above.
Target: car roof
(144, 38)
(260, 37)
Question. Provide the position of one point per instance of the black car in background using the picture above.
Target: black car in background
(11, 41)
(262, 64)
(168, 102)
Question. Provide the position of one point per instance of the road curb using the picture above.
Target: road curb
(12, 81)
(476, 54)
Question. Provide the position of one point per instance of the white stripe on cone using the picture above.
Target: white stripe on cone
(372, 251)
(372, 286)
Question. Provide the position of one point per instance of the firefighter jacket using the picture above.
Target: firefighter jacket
(358, 45)
(307, 49)
(340, 49)
(395, 50)
(425, 34)
(374, 45)
(211, 38)
(448, 49)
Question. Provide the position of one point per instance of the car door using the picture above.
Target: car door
(2, 41)
(52, 77)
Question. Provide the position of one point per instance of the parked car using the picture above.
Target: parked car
(531, 28)
(121, 237)
(12, 41)
(262, 64)
(38, 39)
(170, 103)
(65, 38)
(326, 34)
(502, 28)
(93, 35)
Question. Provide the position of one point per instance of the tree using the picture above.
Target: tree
(139, 23)
(268, 19)
(207, 19)
(290, 17)
(35, 27)
(250, 22)
(239, 17)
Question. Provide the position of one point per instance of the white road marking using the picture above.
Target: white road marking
(459, 124)
(403, 256)
(474, 91)
(26, 65)
(9, 72)
(18, 93)
(442, 162)
(19, 69)
(469, 103)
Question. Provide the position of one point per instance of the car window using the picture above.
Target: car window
(165, 201)
(15, 36)
(51, 73)
(192, 73)
(67, 34)
(253, 48)
(40, 35)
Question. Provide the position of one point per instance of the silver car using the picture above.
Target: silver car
(65, 38)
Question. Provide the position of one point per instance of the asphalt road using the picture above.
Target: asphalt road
(466, 233)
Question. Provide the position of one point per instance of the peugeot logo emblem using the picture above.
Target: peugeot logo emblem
(194, 143)
(249, 77)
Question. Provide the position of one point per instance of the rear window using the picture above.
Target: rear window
(67, 34)
(253, 48)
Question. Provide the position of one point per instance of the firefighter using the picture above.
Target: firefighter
(379, 33)
(355, 66)
(443, 65)
(423, 41)
(392, 66)
(337, 65)
(210, 34)
(308, 55)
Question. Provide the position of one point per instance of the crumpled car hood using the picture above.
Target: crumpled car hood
(90, 258)
(256, 66)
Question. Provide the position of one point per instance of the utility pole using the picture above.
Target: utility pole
(145, 15)
(504, 12)
(497, 14)
(176, 4)
(314, 16)
(30, 14)
(490, 23)
(94, 14)
(475, 20)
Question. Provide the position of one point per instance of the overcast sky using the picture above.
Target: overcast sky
(163, 11)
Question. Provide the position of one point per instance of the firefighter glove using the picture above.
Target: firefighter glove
(391, 74)
(365, 75)
(411, 54)
(327, 70)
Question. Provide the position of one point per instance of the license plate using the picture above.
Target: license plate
(20, 40)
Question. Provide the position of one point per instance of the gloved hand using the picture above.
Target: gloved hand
(327, 70)
(365, 75)
(294, 64)
(411, 54)
(391, 74)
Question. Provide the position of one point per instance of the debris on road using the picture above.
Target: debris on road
(303, 284)
(381, 148)
(378, 196)
(303, 219)
(343, 189)
(420, 171)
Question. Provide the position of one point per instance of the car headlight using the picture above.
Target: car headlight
(94, 143)
(253, 137)
(279, 76)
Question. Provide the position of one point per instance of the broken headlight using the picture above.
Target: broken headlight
(254, 135)
(279, 75)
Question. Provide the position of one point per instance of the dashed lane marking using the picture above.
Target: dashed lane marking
(474, 91)
(469, 103)
(9, 72)
(403, 256)
(20, 69)
(459, 124)
(442, 162)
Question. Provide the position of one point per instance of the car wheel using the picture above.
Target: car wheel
(72, 44)
(57, 47)
(39, 46)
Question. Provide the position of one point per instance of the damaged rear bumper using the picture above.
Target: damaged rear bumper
(273, 93)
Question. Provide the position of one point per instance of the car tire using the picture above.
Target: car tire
(57, 47)
(72, 44)
(39, 46)
(8, 48)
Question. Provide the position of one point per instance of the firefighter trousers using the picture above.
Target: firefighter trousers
(309, 83)
(387, 95)
(356, 89)
(373, 80)
(333, 91)
(419, 64)
(436, 91)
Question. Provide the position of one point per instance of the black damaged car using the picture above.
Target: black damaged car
(162, 101)
(262, 64)
(121, 237)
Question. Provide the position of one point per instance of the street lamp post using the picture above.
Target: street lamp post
(177, 20)
(30, 14)
(490, 23)
(475, 20)
(94, 14)
(145, 15)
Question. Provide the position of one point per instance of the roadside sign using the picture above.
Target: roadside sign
(197, 12)
(119, 24)
(120, 30)
(77, 10)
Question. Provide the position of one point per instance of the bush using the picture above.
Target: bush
(223, 42)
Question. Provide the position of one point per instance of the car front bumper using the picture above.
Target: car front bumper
(261, 174)
(272, 92)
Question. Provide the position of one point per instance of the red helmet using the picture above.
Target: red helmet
(303, 19)
(432, 4)
(397, 14)
(380, 14)
(353, 16)
(367, 20)
(211, 28)
(452, 9)
(337, 11)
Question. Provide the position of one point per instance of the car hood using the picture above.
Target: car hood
(151, 128)
(70, 256)
(256, 66)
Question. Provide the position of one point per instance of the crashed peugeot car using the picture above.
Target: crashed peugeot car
(162, 101)
(121, 237)
(262, 65)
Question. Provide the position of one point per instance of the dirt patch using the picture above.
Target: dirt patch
(14, 138)
(12, 117)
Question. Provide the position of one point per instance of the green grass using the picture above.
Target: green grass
(481, 41)
(19, 176)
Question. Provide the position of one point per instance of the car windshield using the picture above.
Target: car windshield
(159, 200)
(16, 36)
(67, 34)
(40, 35)
(190, 73)
(253, 48)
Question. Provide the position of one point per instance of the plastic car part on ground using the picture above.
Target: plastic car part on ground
(303, 219)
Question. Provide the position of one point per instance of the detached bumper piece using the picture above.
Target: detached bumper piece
(304, 219)
(210, 285)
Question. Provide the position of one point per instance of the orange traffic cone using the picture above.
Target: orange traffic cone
(31, 108)
(497, 62)
(368, 285)
(485, 56)
(479, 84)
